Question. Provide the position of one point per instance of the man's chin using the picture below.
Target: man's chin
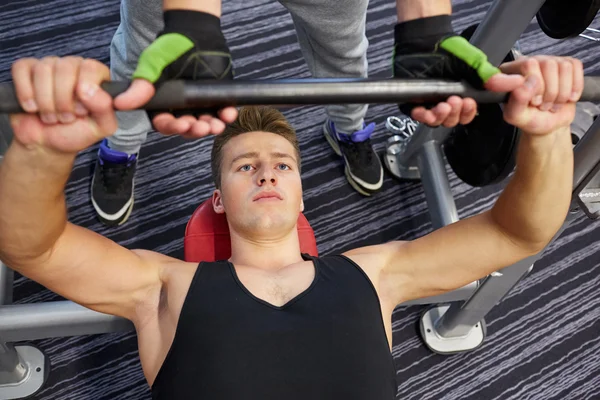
(265, 223)
(269, 224)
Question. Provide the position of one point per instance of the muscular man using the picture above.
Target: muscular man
(332, 38)
(270, 322)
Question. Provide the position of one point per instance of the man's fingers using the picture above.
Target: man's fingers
(532, 67)
(188, 126)
(43, 89)
(91, 74)
(22, 72)
(178, 126)
(228, 115)
(565, 81)
(441, 112)
(200, 129)
(519, 100)
(188, 119)
(504, 82)
(525, 67)
(469, 111)
(456, 105)
(104, 115)
(216, 126)
(423, 115)
(549, 70)
(65, 80)
(138, 94)
(183, 125)
(167, 124)
(161, 122)
(433, 117)
(98, 102)
(577, 79)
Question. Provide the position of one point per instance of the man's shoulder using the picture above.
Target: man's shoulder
(373, 259)
(376, 251)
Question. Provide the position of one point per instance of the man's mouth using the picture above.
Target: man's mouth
(267, 196)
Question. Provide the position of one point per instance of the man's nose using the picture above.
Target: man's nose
(267, 176)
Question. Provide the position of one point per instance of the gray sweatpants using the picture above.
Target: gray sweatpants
(331, 34)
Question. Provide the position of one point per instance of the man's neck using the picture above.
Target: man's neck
(265, 253)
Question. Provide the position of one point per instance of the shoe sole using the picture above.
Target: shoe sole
(355, 185)
(128, 213)
(113, 222)
(118, 221)
(330, 140)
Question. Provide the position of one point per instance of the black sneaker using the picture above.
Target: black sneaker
(112, 185)
(363, 167)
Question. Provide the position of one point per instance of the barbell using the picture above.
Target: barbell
(181, 94)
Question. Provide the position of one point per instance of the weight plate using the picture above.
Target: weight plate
(561, 19)
(484, 151)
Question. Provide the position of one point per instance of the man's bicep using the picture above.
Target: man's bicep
(452, 257)
(96, 272)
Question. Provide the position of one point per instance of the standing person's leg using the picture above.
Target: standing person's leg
(421, 25)
(113, 183)
(415, 9)
(332, 37)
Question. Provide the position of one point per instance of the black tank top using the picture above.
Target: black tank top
(328, 342)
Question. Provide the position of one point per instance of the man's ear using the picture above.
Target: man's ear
(301, 205)
(217, 202)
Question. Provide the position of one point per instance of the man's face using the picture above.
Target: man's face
(261, 190)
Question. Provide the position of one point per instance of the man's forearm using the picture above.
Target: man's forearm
(32, 203)
(415, 9)
(207, 6)
(535, 202)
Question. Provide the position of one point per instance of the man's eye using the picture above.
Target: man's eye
(283, 167)
(246, 167)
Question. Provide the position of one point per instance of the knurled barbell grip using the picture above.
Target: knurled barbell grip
(217, 94)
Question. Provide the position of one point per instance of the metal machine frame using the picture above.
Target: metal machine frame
(460, 326)
(455, 324)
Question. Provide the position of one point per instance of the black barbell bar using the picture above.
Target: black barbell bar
(181, 94)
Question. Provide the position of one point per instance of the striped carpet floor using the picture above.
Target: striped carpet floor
(543, 338)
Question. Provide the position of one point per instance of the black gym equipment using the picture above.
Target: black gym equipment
(484, 151)
(5, 134)
(561, 19)
(460, 326)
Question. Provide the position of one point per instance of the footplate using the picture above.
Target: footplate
(401, 129)
(451, 345)
(33, 370)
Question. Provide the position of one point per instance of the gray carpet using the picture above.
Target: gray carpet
(543, 338)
